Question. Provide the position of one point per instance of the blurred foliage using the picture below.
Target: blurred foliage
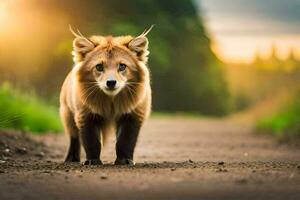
(177, 115)
(285, 124)
(26, 112)
(252, 83)
(275, 64)
(186, 75)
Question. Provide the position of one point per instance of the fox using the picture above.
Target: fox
(108, 86)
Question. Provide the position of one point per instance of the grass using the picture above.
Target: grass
(286, 123)
(26, 112)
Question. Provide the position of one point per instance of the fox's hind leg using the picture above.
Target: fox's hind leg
(128, 128)
(73, 154)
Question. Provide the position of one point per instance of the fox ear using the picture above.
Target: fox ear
(139, 45)
(81, 46)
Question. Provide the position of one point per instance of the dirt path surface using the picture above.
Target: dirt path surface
(176, 159)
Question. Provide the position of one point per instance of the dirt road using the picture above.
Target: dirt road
(176, 159)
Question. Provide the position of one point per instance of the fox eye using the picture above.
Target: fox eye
(122, 67)
(99, 67)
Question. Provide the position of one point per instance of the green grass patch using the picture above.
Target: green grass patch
(26, 112)
(286, 123)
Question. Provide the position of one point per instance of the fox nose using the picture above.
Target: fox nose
(111, 84)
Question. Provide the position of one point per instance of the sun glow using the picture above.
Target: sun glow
(4, 12)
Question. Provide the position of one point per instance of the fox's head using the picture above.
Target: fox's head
(111, 64)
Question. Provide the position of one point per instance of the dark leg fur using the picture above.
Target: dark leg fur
(73, 154)
(90, 138)
(128, 128)
(74, 150)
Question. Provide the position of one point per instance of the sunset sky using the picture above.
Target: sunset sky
(239, 28)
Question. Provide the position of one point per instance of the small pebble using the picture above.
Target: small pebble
(40, 154)
(1, 171)
(103, 177)
(22, 150)
(191, 161)
(5, 158)
(173, 169)
(221, 163)
(2, 161)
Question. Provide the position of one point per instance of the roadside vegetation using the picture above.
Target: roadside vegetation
(26, 112)
(284, 124)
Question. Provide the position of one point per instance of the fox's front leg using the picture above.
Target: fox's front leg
(128, 128)
(89, 130)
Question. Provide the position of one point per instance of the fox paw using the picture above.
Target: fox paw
(93, 162)
(124, 161)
